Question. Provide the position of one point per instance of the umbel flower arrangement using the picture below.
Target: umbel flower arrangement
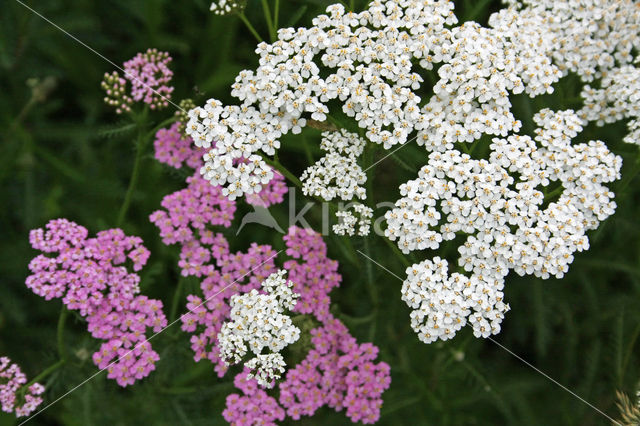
(491, 192)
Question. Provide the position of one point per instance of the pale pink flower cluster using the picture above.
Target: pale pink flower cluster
(254, 407)
(346, 367)
(314, 275)
(149, 75)
(13, 397)
(90, 276)
(176, 149)
(339, 373)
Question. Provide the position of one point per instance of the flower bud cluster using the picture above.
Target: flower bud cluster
(117, 95)
(183, 113)
(149, 76)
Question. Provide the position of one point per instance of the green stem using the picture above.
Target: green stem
(276, 164)
(60, 333)
(176, 299)
(161, 125)
(252, 30)
(307, 149)
(276, 14)
(396, 251)
(45, 373)
(135, 174)
(267, 17)
(373, 290)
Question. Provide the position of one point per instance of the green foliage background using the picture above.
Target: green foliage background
(66, 154)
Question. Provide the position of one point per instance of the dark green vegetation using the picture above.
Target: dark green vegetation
(63, 153)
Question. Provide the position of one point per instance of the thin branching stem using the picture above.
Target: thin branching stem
(250, 27)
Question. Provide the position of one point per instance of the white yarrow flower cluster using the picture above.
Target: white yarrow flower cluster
(442, 304)
(595, 39)
(349, 222)
(507, 225)
(258, 322)
(617, 99)
(224, 7)
(373, 60)
(587, 37)
(337, 174)
(266, 368)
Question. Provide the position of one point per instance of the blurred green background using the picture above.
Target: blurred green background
(63, 153)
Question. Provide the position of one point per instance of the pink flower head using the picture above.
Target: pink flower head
(314, 275)
(176, 149)
(150, 75)
(272, 193)
(235, 273)
(90, 276)
(12, 380)
(191, 210)
(339, 373)
(253, 407)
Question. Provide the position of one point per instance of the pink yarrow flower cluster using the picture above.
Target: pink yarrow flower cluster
(187, 213)
(254, 407)
(149, 75)
(13, 397)
(176, 149)
(89, 275)
(338, 373)
(346, 372)
(314, 275)
(272, 193)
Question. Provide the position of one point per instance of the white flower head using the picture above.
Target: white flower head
(349, 223)
(225, 7)
(337, 174)
(266, 368)
(507, 224)
(372, 63)
(258, 322)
